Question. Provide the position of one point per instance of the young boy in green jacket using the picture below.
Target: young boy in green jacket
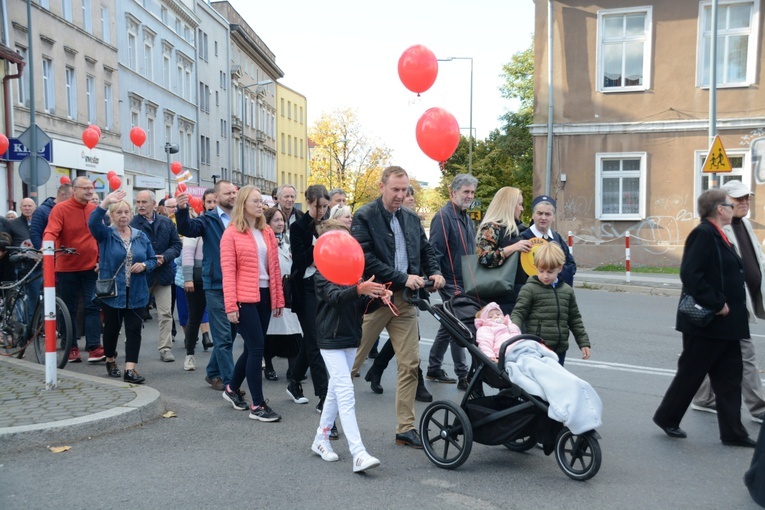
(547, 307)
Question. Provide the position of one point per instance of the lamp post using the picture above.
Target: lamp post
(470, 147)
(170, 148)
(215, 178)
(255, 119)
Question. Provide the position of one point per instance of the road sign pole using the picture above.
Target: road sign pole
(713, 86)
(31, 71)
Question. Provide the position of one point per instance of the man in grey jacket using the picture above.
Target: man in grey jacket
(747, 245)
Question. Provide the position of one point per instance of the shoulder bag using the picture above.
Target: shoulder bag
(108, 288)
(488, 283)
(693, 312)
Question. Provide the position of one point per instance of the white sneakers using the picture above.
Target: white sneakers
(322, 448)
(166, 355)
(189, 363)
(363, 461)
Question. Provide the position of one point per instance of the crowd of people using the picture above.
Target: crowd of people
(239, 268)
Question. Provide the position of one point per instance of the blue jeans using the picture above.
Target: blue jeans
(221, 362)
(253, 324)
(70, 286)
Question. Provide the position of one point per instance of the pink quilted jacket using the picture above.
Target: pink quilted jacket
(240, 266)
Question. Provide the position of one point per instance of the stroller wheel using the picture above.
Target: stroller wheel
(578, 456)
(447, 435)
(521, 444)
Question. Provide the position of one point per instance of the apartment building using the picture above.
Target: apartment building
(73, 58)
(630, 122)
(292, 154)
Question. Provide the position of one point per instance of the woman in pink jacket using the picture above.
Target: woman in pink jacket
(252, 292)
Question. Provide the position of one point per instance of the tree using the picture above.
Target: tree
(345, 157)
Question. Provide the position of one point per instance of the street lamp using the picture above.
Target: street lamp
(215, 178)
(255, 119)
(331, 151)
(470, 147)
(170, 148)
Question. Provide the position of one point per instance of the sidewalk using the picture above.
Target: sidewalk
(84, 406)
(81, 406)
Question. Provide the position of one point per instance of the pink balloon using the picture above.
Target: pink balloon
(137, 136)
(417, 68)
(438, 134)
(90, 138)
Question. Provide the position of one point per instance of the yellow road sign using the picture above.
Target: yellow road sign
(717, 160)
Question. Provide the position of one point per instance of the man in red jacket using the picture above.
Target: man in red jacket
(76, 274)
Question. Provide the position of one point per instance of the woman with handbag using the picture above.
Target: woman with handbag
(713, 274)
(498, 238)
(284, 333)
(125, 257)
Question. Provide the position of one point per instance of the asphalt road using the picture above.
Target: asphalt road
(213, 456)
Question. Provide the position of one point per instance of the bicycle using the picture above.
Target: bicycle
(16, 331)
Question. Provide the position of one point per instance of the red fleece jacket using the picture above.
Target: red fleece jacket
(68, 226)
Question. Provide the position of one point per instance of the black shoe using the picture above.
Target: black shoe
(333, 433)
(462, 385)
(206, 341)
(373, 353)
(675, 432)
(320, 405)
(411, 438)
(440, 376)
(132, 377)
(112, 370)
(271, 375)
(295, 390)
(374, 378)
(236, 398)
(423, 395)
(743, 441)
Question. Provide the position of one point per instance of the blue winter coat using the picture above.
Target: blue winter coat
(111, 254)
(40, 221)
(210, 228)
(165, 241)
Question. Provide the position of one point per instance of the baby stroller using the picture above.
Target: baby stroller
(511, 417)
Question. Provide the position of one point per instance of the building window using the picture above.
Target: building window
(216, 48)
(23, 82)
(66, 10)
(284, 145)
(217, 147)
(90, 94)
(289, 110)
(217, 100)
(166, 67)
(132, 48)
(282, 106)
(301, 114)
(624, 46)
(49, 91)
(620, 186)
(44, 4)
(87, 17)
(106, 33)
(148, 56)
(739, 162)
(71, 94)
(737, 38)
(163, 14)
(150, 136)
(108, 106)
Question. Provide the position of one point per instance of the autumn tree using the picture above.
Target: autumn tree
(345, 156)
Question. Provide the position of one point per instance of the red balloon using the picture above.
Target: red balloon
(115, 182)
(65, 180)
(176, 167)
(438, 134)
(137, 136)
(90, 138)
(197, 204)
(417, 68)
(98, 129)
(339, 257)
(110, 174)
(181, 188)
(4, 144)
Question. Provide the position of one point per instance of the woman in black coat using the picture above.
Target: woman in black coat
(713, 274)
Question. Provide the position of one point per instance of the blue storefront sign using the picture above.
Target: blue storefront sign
(17, 151)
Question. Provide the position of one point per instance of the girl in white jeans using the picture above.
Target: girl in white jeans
(338, 323)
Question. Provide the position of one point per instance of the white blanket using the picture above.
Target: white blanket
(573, 402)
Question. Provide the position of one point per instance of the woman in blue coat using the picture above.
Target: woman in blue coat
(125, 254)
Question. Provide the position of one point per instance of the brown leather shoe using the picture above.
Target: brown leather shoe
(215, 382)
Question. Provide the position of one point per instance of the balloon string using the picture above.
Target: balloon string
(386, 300)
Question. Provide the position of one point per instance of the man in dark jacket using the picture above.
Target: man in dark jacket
(396, 252)
(167, 245)
(40, 216)
(452, 235)
(210, 227)
(20, 226)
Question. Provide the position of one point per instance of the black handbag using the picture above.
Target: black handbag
(108, 288)
(488, 283)
(287, 290)
(693, 312)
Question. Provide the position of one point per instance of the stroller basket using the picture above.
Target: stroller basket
(499, 430)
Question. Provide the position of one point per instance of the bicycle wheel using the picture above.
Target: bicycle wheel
(64, 333)
(13, 330)
(19, 321)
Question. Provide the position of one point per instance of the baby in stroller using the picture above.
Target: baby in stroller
(536, 369)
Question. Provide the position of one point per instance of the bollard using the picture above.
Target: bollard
(627, 255)
(49, 302)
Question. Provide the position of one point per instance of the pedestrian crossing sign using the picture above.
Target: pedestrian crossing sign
(717, 160)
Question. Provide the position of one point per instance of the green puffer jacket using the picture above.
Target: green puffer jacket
(550, 313)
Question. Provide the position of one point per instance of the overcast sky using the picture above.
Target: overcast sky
(343, 53)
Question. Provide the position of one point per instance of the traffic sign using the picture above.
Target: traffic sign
(717, 160)
(43, 170)
(17, 151)
(34, 133)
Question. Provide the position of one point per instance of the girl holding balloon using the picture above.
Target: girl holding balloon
(339, 316)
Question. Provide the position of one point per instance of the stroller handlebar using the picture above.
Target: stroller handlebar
(413, 296)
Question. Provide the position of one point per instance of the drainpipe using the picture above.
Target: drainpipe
(8, 127)
(550, 93)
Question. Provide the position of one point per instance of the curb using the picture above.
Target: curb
(626, 287)
(146, 406)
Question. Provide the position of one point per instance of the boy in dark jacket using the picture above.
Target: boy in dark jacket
(546, 305)
(338, 334)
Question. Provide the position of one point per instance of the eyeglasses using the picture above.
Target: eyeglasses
(726, 204)
(86, 188)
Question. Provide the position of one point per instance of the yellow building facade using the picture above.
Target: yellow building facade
(292, 141)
